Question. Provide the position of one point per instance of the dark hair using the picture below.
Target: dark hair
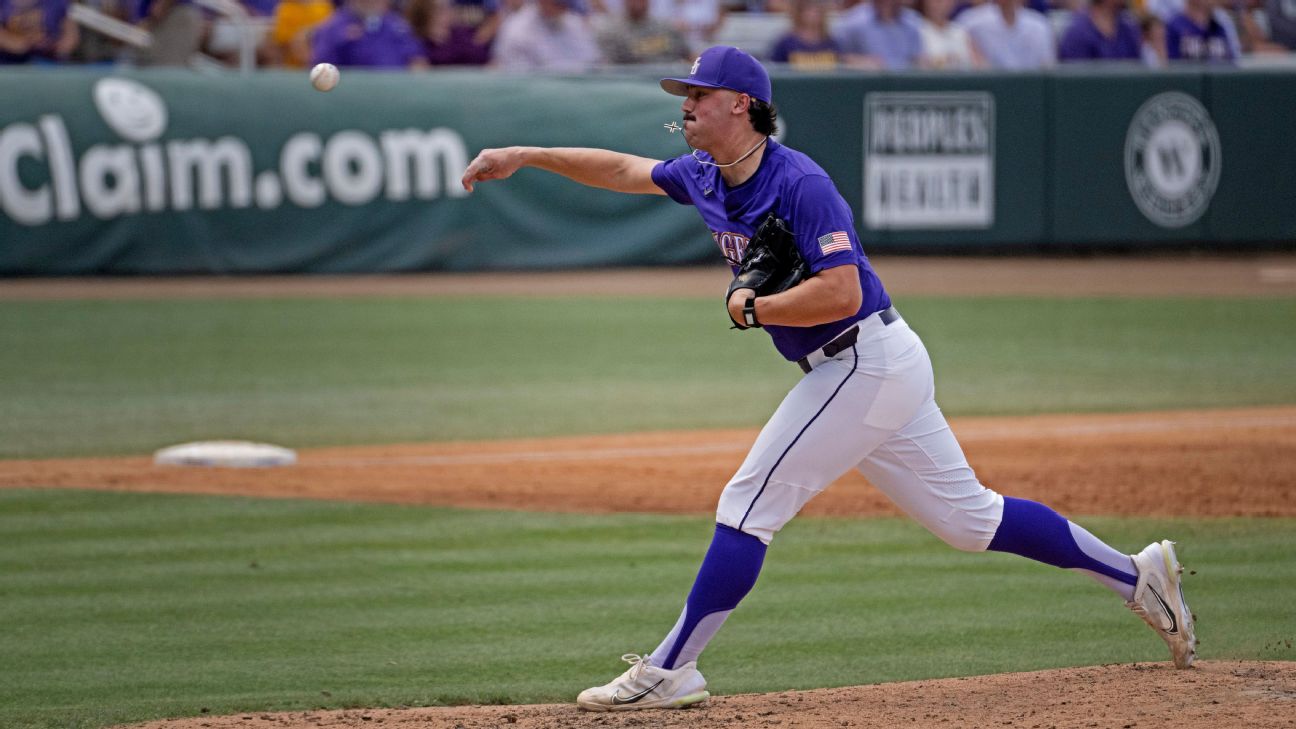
(764, 117)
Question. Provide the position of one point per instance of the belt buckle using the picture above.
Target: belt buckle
(830, 349)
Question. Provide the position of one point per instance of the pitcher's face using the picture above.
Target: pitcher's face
(711, 116)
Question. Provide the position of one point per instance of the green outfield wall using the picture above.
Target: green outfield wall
(174, 172)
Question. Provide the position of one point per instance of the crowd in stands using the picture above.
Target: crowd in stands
(580, 35)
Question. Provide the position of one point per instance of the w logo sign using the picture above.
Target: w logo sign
(1172, 159)
(1176, 160)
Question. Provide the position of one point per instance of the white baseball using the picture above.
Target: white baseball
(324, 76)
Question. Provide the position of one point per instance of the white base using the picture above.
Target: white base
(226, 454)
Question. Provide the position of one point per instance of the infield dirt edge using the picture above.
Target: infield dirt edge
(1210, 695)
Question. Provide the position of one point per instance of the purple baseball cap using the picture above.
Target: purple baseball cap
(724, 67)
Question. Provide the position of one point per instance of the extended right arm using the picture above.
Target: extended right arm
(593, 167)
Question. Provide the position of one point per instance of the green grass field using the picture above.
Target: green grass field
(112, 377)
(124, 607)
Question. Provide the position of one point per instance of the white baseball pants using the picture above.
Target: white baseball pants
(871, 407)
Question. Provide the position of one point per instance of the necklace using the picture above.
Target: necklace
(672, 127)
(750, 152)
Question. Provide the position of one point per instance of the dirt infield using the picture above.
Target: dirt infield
(1215, 694)
(1205, 463)
(1235, 462)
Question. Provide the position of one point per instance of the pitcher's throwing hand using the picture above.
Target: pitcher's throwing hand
(492, 164)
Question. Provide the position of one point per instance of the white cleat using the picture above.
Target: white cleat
(1159, 600)
(646, 686)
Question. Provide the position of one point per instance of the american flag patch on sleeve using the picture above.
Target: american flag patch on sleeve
(834, 242)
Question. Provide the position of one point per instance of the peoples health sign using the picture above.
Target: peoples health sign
(928, 160)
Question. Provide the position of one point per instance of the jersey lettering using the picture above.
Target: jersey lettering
(732, 245)
(793, 184)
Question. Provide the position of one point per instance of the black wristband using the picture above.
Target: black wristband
(749, 313)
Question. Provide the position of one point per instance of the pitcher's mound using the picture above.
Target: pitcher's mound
(1213, 694)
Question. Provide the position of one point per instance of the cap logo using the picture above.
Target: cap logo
(693, 71)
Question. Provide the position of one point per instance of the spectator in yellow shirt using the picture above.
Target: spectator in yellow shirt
(288, 42)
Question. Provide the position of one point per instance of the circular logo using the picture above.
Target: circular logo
(1172, 159)
(132, 109)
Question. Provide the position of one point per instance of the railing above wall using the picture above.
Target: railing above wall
(247, 32)
(234, 17)
(100, 22)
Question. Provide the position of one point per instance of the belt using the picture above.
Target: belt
(846, 339)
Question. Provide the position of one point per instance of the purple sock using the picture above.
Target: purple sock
(1037, 532)
(728, 573)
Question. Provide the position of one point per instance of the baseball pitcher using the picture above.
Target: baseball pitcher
(866, 400)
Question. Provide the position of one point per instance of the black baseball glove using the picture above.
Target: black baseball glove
(770, 264)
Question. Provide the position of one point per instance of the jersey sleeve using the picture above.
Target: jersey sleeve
(1073, 46)
(410, 48)
(1172, 38)
(672, 177)
(823, 225)
(325, 44)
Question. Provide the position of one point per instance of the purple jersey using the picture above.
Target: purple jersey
(792, 186)
(792, 49)
(140, 9)
(1187, 41)
(1082, 41)
(460, 48)
(897, 43)
(348, 39)
(264, 8)
(32, 18)
(21, 16)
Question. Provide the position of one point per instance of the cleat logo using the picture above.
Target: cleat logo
(1174, 624)
(618, 700)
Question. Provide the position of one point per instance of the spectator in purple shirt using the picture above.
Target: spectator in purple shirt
(366, 33)
(1103, 32)
(887, 38)
(807, 44)
(263, 8)
(35, 30)
(1195, 35)
(447, 39)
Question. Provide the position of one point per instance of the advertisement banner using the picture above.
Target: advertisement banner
(148, 171)
(929, 160)
(169, 171)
